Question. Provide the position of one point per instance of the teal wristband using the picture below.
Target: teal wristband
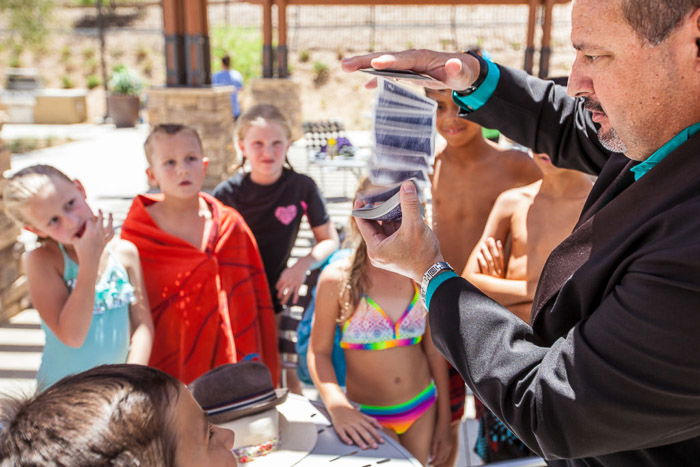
(483, 93)
(436, 282)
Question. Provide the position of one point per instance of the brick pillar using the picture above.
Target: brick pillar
(14, 295)
(282, 93)
(207, 110)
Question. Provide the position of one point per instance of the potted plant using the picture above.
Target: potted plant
(123, 102)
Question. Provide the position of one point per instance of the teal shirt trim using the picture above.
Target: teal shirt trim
(483, 93)
(436, 282)
(645, 166)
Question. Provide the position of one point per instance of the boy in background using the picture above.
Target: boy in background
(469, 174)
(203, 273)
(524, 226)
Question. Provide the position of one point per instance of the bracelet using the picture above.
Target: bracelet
(483, 71)
(433, 271)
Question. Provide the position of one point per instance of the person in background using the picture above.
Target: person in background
(227, 76)
(524, 226)
(470, 173)
(273, 199)
(87, 287)
(118, 415)
(203, 273)
(396, 379)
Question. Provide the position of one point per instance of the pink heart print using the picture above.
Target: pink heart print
(286, 214)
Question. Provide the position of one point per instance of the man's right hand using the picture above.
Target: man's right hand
(457, 71)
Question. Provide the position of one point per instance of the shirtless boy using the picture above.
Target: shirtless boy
(524, 226)
(469, 174)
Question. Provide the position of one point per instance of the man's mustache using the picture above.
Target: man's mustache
(593, 106)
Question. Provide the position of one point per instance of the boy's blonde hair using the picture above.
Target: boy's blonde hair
(170, 129)
(24, 184)
(258, 114)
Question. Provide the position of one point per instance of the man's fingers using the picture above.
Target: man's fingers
(295, 298)
(371, 232)
(410, 204)
(360, 61)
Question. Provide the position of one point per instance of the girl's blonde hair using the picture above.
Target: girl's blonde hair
(23, 185)
(356, 281)
(259, 114)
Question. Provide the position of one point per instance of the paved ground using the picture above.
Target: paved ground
(110, 164)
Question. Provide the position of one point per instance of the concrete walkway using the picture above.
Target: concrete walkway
(111, 165)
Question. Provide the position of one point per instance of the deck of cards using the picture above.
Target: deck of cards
(404, 136)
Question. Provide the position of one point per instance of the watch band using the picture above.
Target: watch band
(483, 71)
(433, 271)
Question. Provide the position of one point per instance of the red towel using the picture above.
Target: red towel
(209, 307)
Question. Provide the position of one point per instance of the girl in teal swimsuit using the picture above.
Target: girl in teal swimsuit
(396, 379)
(87, 289)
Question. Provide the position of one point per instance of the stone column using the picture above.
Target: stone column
(283, 93)
(207, 110)
(14, 295)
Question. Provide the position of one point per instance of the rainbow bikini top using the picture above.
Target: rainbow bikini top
(370, 328)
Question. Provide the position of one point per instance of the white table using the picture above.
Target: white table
(329, 449)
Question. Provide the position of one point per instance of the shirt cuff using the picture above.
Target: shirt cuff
(436, 282)
(483, 93)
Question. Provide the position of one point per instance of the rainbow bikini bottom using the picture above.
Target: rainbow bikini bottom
(400, 417)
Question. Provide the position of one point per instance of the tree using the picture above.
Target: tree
(27, 21)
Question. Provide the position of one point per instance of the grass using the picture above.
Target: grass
(22, 145)
(244, 45)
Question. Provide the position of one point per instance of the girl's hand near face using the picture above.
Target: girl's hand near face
(94, 238)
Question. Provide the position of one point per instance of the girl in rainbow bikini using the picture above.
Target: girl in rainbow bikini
(396, 379)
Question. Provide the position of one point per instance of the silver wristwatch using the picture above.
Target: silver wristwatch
(433, 271)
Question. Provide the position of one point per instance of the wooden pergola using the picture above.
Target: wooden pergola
(187, 55)
(282, 62)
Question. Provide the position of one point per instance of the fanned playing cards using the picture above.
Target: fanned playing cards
(404, 137)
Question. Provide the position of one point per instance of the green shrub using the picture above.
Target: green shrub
(147, 68)
(67, 82)
(244, 45)
(142, 54)
(116, 53)
(304, 56)
(65, 53)
(90, 66)
(321, 73)
(125, 81)
(15, 61)
(89, 53)
(92, 81)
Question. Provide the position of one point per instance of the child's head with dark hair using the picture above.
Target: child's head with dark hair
(176, 163)
(226, 61)
(456, 130)
(122, 415)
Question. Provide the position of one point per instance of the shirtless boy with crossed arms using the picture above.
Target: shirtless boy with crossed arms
(469, 174)
(524, 226)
